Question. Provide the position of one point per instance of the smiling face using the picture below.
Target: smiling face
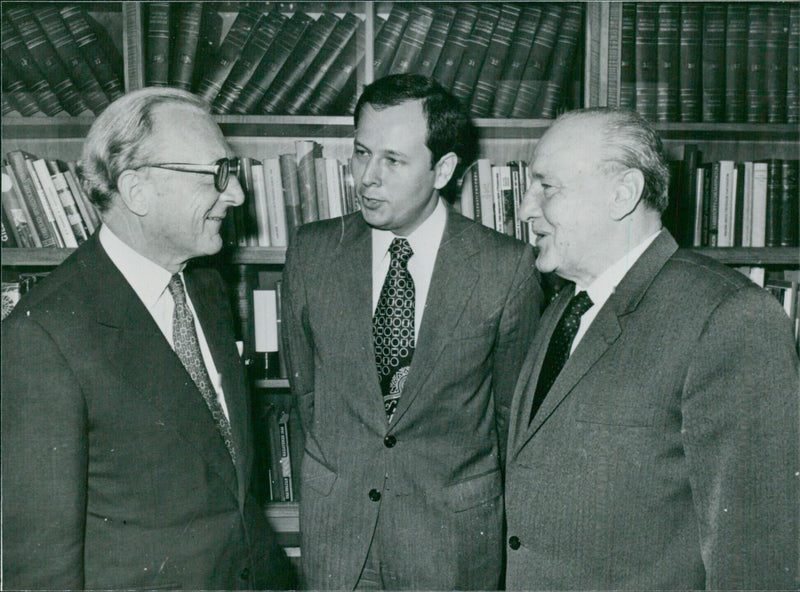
(392, 168)
(184, 210)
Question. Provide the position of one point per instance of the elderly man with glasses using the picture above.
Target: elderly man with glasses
(127, 442)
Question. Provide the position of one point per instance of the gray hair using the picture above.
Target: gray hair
(117, 140)
(631, 142)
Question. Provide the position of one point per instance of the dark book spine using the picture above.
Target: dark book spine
(627, 57)
(776, 62)
(646, 59)
(434, 41)
(738, 219)
(8, 238)
(100, 57)
(296, 65)
(514, 67)
(455, 44)
(793, 66)
(419, 23)
(535, 73)
(774, 199)
(253, 52)
(229, 51)
(14, 90)
(27, 190)
(475, 52)
(789, 197)
(668, 62)
(307, 151)
(705, 240)
(337, 75)
(691, 56)
(208, 44)
(713, 216)
(687, 196)
(756, 96)
(714, 16)
(157, 56)
(496, 53)
(73, 60)
(272, 62)
(45, 56)
(185, 19)
(291, 191)
(735, 62)
(345, 102)
(561, 63)
(300, 94)
(388, 38)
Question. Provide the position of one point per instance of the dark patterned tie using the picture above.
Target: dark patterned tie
(393, 326)
(187, 347)
(559, 346)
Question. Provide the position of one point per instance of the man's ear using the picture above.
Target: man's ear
(133, 192)
(627, 194)
(444, 169)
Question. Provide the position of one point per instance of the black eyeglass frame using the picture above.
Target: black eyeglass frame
(222, 169)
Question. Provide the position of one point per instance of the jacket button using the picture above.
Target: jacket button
(245, 574)
(389, 441)
(374, 495)
(514, 543)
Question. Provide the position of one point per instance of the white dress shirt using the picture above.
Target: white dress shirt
(604, 285)
(149, 280)
(424, 243)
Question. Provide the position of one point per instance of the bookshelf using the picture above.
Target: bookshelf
(595, 78)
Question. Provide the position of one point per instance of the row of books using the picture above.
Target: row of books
(710, 62)
(500, 59)
(57, 59)
(286, 191)
(734, 204)
(43, 204)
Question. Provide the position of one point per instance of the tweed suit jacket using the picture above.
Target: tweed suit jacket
(429, 486)
(665, 455)
(114, 473)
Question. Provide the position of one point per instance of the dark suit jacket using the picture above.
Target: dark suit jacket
(114, 473)
(665, 455)
(437, 468)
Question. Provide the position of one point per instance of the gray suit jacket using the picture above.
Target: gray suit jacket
(114, 473)
(665, 455)
(437, 469)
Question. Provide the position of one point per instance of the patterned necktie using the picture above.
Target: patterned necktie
(393, 326)
(187, 347)
(560, 344)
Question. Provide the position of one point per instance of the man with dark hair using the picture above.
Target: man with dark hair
(127, 446)
(405, 326)
(653, 440)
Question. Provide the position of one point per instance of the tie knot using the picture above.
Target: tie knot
(175, 288)
(579, 304)
(401, 250)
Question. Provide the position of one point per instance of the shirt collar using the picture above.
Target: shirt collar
(425, 239)
(148, 279)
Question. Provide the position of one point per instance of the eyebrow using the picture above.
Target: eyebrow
(390, 153)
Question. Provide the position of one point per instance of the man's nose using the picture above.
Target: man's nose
(530, 207)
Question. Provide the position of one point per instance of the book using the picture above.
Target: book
(20, 223)
(66, 198)
(713, 62)
(27, 190)
(518, 187)
(443, 16)
(627, 56)
(468, 191)
(517, 58)
(291, 191)
(272, 62)
(499, 45)
(287, 484)
(275, 471)
(276, 206)
(7, 239)
(254, 50)
(388, 39)
(335, 201)
(713, 203)
(685, 200)
(549, 98)
(772, 237)
(216, 72)
(793, 66)
(789, 203)
(46, 205)
(756, 88)
(475, 52)
(646, 62)
(758, 236)
(698, 209)
(690, 61)
(101, 55)
(211, 25)
(296, 65)
(185, 34)
(249, 214)
(484, 202)
(74, 62)
(306, 152)
(65, 220)
(89, 215)
(735, 61)
(746, 173)
(667, 62)
(321, 182)
(15, 92)
(535, 73)
(777, 55)
(738, 203)
(455, 44)
(259, 200)
(297, 98)
(157, 44)
(414, 34)
(725, 209)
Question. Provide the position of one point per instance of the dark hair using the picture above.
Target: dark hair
(449, 126)
(631, 142)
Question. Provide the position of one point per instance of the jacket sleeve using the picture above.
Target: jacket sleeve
(740, 430)
(44, 460)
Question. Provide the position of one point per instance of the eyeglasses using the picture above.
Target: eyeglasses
(222, 170)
